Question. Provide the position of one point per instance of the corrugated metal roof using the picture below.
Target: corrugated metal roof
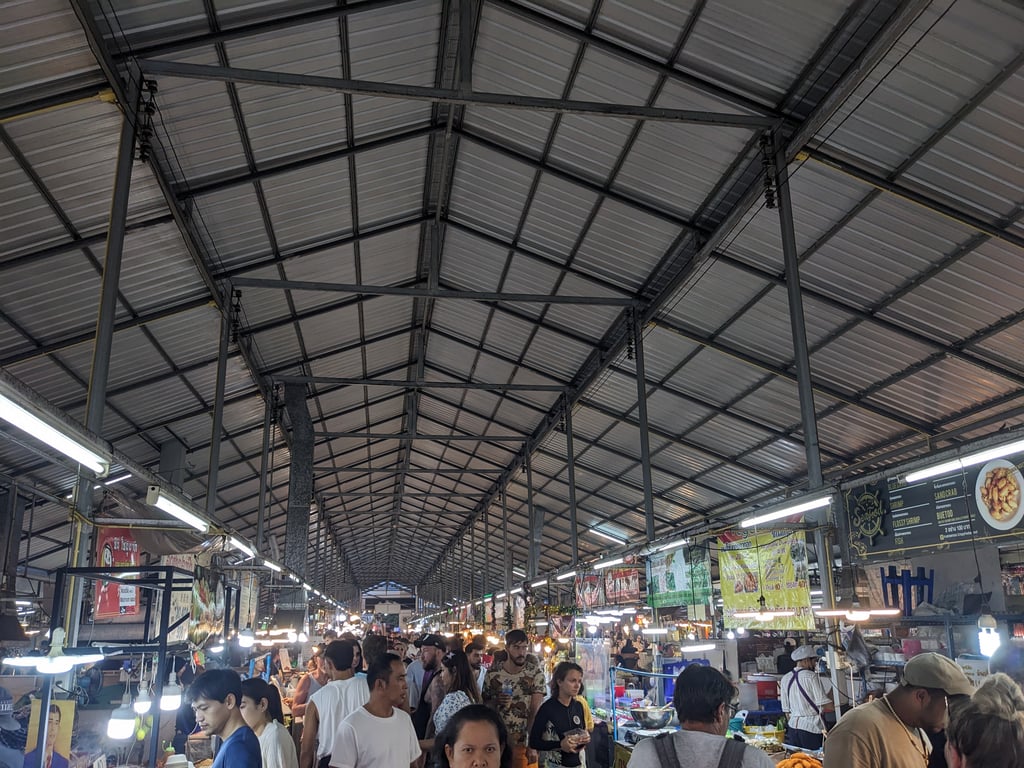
(912, 320)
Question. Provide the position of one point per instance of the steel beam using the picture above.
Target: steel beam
(405, 495)
(504, 538)
(407, 436)
(261, 506)
(400, 383)
(428, 293)
(452, 95)
(405, 471)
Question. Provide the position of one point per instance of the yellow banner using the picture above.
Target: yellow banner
(768, 563)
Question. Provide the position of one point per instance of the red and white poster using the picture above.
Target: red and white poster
(116, 548)
(621, 585)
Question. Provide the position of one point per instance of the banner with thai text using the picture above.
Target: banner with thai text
(772, 564)
(116, 548)
(679, 576)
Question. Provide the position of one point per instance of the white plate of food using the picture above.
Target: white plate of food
(998, 494)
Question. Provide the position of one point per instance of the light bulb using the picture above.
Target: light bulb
(121, 725)
(142, 702)
(741, 630)
(988, 641)
(170, 697)
(303, 637)
(246, 638)
(292, 636)
(54, 665)
(592, 629)
(730, 635)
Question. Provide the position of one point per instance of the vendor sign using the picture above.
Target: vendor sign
(679, 577)
(116, 548)
(589, 591)
(621, 585)
(769, 563)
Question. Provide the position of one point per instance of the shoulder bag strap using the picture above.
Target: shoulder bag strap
(732, 755)
(807, 698)
(666, 750)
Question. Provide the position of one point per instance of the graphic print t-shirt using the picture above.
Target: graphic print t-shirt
(525, 683)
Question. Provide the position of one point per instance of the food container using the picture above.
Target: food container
(651, 718)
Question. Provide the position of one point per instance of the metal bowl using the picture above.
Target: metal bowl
(651, 718)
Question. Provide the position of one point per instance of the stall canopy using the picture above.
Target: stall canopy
(464, 226)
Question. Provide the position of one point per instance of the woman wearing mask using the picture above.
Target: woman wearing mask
(559, 730)
(460, 689)
(261, 710)
(988, 730)
(475, 737)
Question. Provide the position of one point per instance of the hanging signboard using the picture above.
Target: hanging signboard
(116, 548)
(680, 576)
(207, 606)
(768, 563)
(958, 510)
(621, 585)
(181, 602)
(589, 591)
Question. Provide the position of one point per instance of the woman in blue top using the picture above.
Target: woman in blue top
(216, 697)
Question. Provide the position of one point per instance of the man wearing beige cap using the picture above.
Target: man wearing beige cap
(892, 732)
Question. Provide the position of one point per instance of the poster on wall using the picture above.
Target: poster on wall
(621, 585)
(56, 752)
(768, 563)
(207, 606)
(116, 548)
(956, 510)
(680, 576)
(589, 591)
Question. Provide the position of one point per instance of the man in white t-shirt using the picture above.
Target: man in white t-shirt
(805, 699)
(379, 734)
(330, 705)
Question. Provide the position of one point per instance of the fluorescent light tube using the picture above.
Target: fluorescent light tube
(655, 630)
(176, 510)
(516, 591)
(519, 572)
(565, 576)
(28, 422)
(272, 566)
(697, 648)
(540, 583)
(608, 563)
(970, 460)
(306, 587)
(603, 535)
(787, 511)
(673, 545)
(241, 546)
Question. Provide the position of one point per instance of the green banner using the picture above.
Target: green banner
(679, 576)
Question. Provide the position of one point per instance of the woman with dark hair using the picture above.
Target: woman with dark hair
(261, 709)
(559, 730)
(460, 688)
(475, 737)
(703, 698)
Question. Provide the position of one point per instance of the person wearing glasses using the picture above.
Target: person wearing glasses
(703, 699)
(805, 699)
(515, 689)
(893, 731)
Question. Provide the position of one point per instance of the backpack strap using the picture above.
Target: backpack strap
(732, 755)
(666, 750)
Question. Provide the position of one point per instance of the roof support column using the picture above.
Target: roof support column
(570, 455)
(101, 348)
(808, 413)
(504, 537)
(218, 414)
(300, 479)
(261, 508)
(533, 553)
(645, 441)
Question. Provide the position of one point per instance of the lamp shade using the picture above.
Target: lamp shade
(142, 703)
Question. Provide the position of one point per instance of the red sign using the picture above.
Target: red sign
(116, 548)
(621, 585)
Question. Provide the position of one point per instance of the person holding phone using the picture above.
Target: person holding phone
(559, 731)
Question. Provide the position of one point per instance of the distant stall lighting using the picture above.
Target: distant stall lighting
(608, 563)
(565, 576)
(536, 584)
(170, 698)
(241, 546)
(698, 648)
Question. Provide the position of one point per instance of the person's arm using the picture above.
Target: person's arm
(307, 747)
(489, 694)
(301, 696)
(536, 699)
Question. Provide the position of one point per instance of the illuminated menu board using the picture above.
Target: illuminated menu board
(889, 517)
